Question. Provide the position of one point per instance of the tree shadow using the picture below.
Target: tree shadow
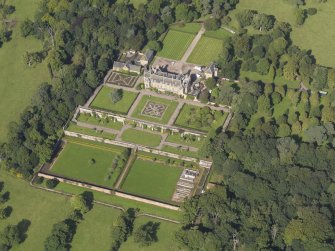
(154, 227)
(4, 197)
(23, 227)
(2, 184)
(89, 197)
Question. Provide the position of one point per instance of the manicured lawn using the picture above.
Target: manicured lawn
(141, 137)
(170, 108)
(171, 149)
(99, 121)
(175, 44)
(41, 208)
(316, 34)
(122, 202)
(218, 34)
(192, 116)
(152, 179)
(103, 101)
(165, 234)
(75, 128)
(74, 161)
(95, 230)
(187, 141)
(206, 51)
(192, 28)
(18, 82)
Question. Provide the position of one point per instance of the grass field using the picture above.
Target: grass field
(103, 101)
(152, 179)
(165, 234)
(218, 34)
(171, 107)
(176, 138)
(99, 121)
(95, 230)
(316, 34)
(175, 44)
(18, 82)
(206, 51)
(141, 137)
(75, 128)
(192, 28)
(74, 162)
(171, 149)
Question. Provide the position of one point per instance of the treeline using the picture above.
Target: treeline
(272, 54)
(81, 39)
(5, 23)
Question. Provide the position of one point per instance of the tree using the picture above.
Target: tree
(276, 98)
(204, 96)
(264, 105)
(320, 77)
(116, 95)
(27, 28)
(245, 17)
(300, 16)
(146, 234)
(263, 22)
(210, 83)
(155, 45)
(284, 130)
(82, 202)
(212, 24)
(5, 212)
(51, 183)
(263, 66)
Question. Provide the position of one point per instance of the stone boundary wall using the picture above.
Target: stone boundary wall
(109, 191)
(141, 148)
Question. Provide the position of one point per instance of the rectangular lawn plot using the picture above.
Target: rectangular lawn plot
(192, 28)
(141, 137)
(206, 51)
(175, 44)
(200, 118)
(152, 179)
(155, 109)
(88, 162)
(104, 101)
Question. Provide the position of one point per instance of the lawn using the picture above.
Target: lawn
(187, 140)
(175, 44)
(218, 34)
(152, 179)
(171, 107)
(103, 101)
(141, 137)
(75, 128)
(192, 28)
(316, 34)
(95, 230)
(41, 208)
(192, 117)
(171, 149)
(165, 235)
(87, 118)
(206, 51)
(74, 162)
(18, 82)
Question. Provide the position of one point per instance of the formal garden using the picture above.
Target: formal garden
(141, 137)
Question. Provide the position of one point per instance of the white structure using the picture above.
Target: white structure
(167, 82)
(127, 67)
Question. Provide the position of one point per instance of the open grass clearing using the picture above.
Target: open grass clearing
(152, 179)
(141, 137)
(103, 122)
(175, 44)
(165, 235)
(103, 101)
(88, 162)
(192, 28)
(218, 34)
(19, 82)
(316, 34)
(170, 108)
(200, 118)
(206, 51)
(75, 128)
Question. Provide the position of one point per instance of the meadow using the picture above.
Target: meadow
(316, 34)
(87, 162)
(18, 82)
(152, 179)
(103, 101)
(175, 44)
(170, 108)
(141, 137)
(206, 51)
